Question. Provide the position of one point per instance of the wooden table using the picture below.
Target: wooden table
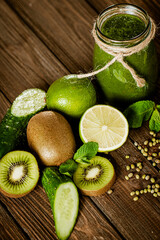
(41, 41)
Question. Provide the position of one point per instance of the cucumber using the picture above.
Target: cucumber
(14, 123)
(64, 200)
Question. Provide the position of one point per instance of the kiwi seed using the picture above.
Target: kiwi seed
(92, 173)
(12, 172)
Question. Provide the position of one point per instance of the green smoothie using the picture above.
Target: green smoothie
(116, 82)
(123, 27)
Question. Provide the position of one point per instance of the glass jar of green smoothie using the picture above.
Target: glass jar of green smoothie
(125, 27)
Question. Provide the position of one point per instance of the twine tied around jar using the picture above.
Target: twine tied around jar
(119, 53)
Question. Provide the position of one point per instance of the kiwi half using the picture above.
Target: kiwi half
(19, 173)
(95, 178)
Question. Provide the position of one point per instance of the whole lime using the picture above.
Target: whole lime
(71, 96)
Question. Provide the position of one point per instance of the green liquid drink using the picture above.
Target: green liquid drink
(125, 25)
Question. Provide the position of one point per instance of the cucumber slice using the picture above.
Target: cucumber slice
(14, 123)
(64, 200)
(65, 209)
(28, 102)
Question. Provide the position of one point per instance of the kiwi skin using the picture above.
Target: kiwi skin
(15, 195)
(100, 191)
(50, 136)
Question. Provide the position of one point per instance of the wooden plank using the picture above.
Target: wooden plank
(25, 62)
(135, 220)
(150, 6)
(115, 205)
(4, 105)
(8, 227)
(33, 212)
(64, 26)
(118, 207)
(141, 135)
(31, 216)
(72, 22)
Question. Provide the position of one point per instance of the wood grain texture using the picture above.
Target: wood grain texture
(131, 218)
(140, 136)
(9, 230)
(33, 213)
(25, 62)
(42, 41)
(64, 26)
(4, 105)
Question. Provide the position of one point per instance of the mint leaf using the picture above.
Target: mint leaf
(154, 123)
(68, 167)
(83, 155)
(139, 112)
(158, 107)
(86, 152)
(82, 160)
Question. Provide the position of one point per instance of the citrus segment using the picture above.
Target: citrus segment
(105, 125)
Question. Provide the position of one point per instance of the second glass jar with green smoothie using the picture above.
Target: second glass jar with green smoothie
(125, 25)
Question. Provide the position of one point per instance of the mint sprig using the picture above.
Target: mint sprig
(154, 123)
(68, 167)
(142, 111)
(83, 155)
(86, 152)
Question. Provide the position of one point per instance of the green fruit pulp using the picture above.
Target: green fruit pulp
(19, 172)
(95, 175)
(65, 209)
(71, 96)
(29, 102)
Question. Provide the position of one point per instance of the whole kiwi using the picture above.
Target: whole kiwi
(50, 136)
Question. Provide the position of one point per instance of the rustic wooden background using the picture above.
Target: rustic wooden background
(41, 41)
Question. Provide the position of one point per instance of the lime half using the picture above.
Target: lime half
(105, 125)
